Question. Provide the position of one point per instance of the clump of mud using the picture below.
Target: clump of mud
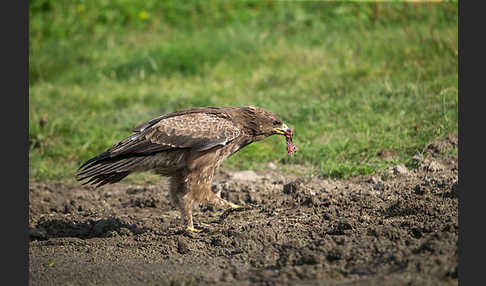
(395, 228)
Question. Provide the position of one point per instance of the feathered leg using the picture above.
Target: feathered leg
(196, 189)
(182, 199)
(187, 207)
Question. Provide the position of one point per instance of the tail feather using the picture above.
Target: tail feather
(102, 169)
(94, 159)
(102, 179)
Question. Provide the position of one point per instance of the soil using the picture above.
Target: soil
(399, 227)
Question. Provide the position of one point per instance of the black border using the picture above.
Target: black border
(15, 147)
(470, 76)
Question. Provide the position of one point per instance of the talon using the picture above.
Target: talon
(189, 228)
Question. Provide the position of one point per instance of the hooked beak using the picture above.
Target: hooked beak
(282, 130)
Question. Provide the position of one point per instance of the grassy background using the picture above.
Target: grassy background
(354, 79)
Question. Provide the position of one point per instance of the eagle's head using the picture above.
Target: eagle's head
(262, 123)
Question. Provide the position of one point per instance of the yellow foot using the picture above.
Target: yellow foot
(235, 206)
(189, 228)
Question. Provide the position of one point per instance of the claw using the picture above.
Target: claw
(189, 228)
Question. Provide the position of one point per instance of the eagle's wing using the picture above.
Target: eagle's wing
(196, 130)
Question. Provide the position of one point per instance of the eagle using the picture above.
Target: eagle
(186, 146)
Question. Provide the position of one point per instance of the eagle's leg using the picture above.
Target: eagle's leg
(182, 199)
(186, 211)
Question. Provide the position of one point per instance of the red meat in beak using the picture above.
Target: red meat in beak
(291, 147)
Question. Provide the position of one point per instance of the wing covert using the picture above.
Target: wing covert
(197, 131)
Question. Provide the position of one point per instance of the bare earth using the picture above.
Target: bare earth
(395, 228)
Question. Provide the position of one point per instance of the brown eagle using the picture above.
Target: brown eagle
(186, 146)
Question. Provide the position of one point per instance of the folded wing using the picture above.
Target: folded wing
(196, 131)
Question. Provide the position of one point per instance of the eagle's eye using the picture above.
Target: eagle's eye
(276, 122)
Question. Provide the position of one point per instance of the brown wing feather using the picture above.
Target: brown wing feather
(208, 110)
(195, 129)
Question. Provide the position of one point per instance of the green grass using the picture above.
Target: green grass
(353, 79)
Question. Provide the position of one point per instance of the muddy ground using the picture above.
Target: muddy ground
(399, 227)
